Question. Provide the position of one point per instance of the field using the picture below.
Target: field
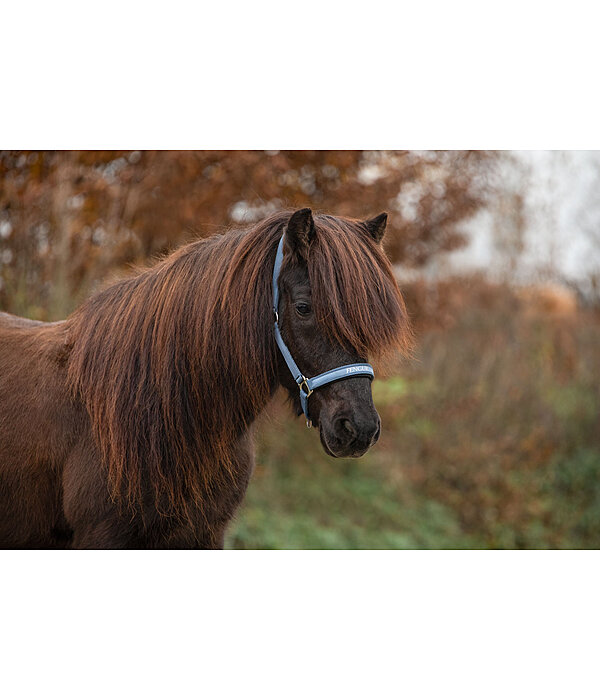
(491, 439)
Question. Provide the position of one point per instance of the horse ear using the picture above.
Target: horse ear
(300, 232)
(376, 226)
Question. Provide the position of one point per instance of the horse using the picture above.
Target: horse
(129, 424)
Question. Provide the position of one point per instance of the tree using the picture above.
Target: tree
(70, 219)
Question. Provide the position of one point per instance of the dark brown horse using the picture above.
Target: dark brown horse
(128, 424)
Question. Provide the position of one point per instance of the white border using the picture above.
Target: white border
(300, 624)
(268, 75)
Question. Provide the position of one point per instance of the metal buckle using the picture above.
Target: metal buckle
(303, 386)
(308, 391)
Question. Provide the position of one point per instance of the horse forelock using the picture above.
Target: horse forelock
(355, 294)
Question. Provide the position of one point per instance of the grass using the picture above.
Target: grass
(300, 499)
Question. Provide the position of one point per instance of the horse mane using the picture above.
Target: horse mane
(174, 364)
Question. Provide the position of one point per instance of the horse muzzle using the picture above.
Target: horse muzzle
(349, 436)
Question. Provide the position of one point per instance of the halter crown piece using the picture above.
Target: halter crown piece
(306, 386)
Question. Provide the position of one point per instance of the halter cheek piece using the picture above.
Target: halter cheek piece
(306, 386)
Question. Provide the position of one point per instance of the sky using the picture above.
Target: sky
(561, 190)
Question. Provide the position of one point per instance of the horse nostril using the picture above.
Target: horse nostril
(376, 434)
(360, 435)
(346, 428)
(349, 428)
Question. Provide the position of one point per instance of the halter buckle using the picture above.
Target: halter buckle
(304, 386)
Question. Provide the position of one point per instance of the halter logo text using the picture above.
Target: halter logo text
(349, 370)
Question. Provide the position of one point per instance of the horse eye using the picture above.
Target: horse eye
(303, 309)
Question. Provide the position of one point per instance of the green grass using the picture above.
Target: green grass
(305, 501)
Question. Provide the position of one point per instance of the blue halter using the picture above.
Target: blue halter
(306, 385)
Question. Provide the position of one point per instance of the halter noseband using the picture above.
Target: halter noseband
(306, 386)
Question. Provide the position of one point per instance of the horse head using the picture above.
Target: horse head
(336, 301)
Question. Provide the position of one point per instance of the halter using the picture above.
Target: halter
(306, 386)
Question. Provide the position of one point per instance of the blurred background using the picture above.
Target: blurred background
(491, 432)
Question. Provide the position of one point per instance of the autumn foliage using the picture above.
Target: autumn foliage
(70, 219)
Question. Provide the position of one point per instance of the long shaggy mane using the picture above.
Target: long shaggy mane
(173, 365)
